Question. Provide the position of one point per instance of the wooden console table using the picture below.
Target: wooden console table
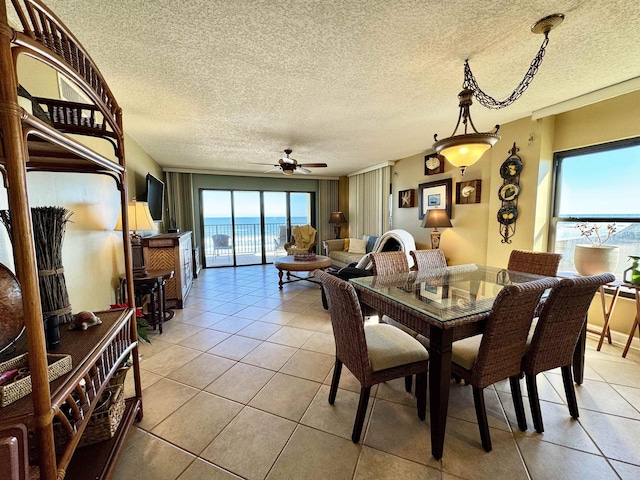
(152, 284)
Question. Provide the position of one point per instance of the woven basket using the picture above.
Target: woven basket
(58, 366)
(104, 423)
(118, 378)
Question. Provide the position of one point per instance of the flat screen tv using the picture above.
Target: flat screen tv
(155, 196)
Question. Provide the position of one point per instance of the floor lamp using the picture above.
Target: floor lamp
(139, 220)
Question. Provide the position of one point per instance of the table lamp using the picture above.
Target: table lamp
(139, 220)
(337, 218)
(435, 218)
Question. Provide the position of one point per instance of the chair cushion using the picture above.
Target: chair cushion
(390, 321)
(464, 352)
(390, 347)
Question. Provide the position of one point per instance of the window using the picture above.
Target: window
(597, 185)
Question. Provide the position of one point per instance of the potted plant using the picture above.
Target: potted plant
(595, 257)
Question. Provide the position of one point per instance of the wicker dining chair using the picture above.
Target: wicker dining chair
(497, 354)
(373, 353)
(387, 263)
(428, 259)
(539, 263)
(555, 337)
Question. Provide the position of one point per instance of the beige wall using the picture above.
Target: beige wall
(475, 234)
(92, 251)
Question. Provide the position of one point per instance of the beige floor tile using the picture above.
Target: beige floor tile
(278, 317)
(617, 437)
(286, 396)
(202, 370)
(203, 319)
(148, 350)
(146, 380)
(396, 429)
(205, 339)
(349, 382)
(170, 359)
(394, 391)
(235, 347)
(339, 418)
(196, 423)
(175, 332)
(150, 458)
(269, 355)
(626, 470)
(382, 466)
(464, 456)
(317, 323)
(200, 470)
(252, 312)
(250, 444)
(241, 382)
(293, 306)
(250, 298)
(461, 405)
(546, 460)
(310, 365)
(630, 394)
(228, 308)
(162, 399)
(599, 396)
(259, 330)
(293, 337)
(315, 455)
(232, 324)
(617, 372)
(321, 342)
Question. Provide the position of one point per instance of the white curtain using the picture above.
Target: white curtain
(179, 200)
(369, 202)
(327, 203)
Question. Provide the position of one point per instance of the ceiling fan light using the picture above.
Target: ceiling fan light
(287, 171)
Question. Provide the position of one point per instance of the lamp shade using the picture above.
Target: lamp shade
(337, 217)
(435, 218)
(465, 150)
(139, 217)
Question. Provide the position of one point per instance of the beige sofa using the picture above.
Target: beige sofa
(334, 249)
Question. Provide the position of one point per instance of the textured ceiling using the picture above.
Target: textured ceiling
(217, 85)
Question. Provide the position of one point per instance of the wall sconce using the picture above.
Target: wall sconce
(436, 217)
(337, 218)
(466, 148)
(139, 220)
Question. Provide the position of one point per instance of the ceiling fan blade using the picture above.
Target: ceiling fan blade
(302, 170)
(276, 169)
(312, 165)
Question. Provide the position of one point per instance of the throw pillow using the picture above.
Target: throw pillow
(371, 242)
(357, 246)
(346, 245)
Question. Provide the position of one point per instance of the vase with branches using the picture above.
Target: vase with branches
(595, 257)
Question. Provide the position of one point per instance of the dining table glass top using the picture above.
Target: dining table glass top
(448, 293)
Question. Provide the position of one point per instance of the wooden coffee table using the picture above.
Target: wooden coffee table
(289, 265)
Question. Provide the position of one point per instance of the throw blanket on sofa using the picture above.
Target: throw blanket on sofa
(399, 237)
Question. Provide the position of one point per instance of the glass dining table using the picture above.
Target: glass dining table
(444, 305)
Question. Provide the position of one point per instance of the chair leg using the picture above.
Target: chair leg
(481, 415)
(421, 394)
(567, 379)
(362, 411)
(534, 402)
(516, 393)
(408, 382)
(335, 380)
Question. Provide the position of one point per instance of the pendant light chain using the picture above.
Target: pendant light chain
(490, 102)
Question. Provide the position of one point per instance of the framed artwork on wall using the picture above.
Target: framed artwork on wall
(407, 198)
(468, 192)
(434, 195)
(433, 164)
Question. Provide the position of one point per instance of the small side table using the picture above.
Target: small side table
(152, 284)
(636, 322)
(607, 312)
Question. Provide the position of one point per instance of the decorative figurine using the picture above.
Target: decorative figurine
(84, 320)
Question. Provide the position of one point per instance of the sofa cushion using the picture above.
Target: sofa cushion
(346, 244)
(357, 246)
(344, 258)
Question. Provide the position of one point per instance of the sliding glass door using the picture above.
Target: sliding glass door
(243, 227)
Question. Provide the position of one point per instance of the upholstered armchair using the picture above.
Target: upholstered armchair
(304, 240)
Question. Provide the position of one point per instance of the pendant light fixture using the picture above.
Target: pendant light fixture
(465, 149)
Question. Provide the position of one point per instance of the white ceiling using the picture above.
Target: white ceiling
(219, 84)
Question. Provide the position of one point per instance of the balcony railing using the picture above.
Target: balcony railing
(246, 239)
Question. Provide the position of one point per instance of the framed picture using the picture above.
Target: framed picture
(434, 195)
(407, 198)
(433, 164)
(468, 192)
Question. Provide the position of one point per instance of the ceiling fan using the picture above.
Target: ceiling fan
(290, 165)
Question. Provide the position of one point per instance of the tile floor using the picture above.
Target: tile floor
(237, 386)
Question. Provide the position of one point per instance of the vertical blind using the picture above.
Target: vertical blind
(369, 202)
